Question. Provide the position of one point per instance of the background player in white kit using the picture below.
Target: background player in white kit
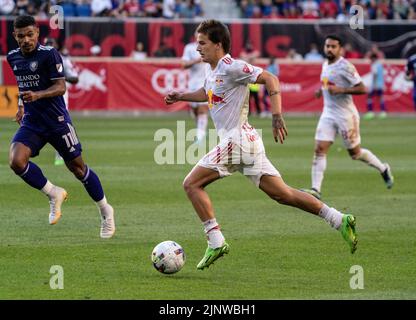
(340, 80)
(71, 77)
(241, 148)
(193, 62)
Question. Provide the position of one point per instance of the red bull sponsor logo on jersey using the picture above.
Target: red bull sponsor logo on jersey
(213, 99)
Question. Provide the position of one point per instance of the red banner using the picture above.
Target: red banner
(126, 85)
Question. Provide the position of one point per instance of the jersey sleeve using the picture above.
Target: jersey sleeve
(243, 72)
(69, 68)
(351, 75)
(55, 65)
(186, 54)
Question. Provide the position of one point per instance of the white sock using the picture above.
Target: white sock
(368, 157)
(318, 169)
(47, 189)
(332, 216)
(102, 203)
(201, 125)
(214, 234)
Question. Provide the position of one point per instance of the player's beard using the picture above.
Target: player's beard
(330, 57)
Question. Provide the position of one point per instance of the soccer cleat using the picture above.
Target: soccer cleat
(348, 231)
(59, 162)
(369, 115)
(108, 227)
(212, 254)
(55, 202)
(382, 115)
(388, 176)
(313, 192)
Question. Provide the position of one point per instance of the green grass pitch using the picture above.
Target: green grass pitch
(277, 252)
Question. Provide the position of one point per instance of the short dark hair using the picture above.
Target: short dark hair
(23, 22)
(335, 37)
(217, 32)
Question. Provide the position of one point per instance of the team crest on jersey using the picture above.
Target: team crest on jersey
(33, 66)
(59, 67)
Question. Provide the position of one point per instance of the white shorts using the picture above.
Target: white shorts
(195, 105)
(244, 153)
(348, 127)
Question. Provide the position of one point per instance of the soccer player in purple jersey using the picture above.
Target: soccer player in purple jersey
(39, 72)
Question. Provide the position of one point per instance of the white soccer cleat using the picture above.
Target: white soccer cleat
(108, 227)
(58, 196)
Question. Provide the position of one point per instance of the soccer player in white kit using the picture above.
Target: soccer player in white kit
(71, 77)
(192, 61)
(340, 80)
(241, 148)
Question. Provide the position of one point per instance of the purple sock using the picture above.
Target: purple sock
(33, 176)
(93, 185)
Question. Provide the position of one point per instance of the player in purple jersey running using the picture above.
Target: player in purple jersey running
(39, 73)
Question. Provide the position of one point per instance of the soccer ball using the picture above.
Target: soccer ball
(168, 257)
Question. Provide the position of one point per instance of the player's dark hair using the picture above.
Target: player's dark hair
(23, 22)
(335, 37)
(217, 32)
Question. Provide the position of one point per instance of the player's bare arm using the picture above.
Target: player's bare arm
(272, 85)
(57, 89)
(189, 64)
(318, 93)
(357, 89)
(195, 96)
(20, 111)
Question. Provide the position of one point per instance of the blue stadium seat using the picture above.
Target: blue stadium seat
(84, 10)
(69, 9)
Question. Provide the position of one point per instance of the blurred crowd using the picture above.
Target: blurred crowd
(168, 9)
(338, 10)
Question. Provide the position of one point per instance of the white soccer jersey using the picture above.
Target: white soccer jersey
(69, 71)
(343, 74)
(197, 71)
(228, 94)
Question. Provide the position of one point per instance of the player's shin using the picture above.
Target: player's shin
(317, 172)
(33, 176)
(92, 184)
(369, 158)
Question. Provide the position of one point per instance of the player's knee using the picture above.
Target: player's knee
(78, 171)
(18, 165)
(319, 151)
(187, 185)
(355, 155)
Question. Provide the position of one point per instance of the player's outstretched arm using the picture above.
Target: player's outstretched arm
(57, 89)
(357, 89)
(272, 85)
(195, 96)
